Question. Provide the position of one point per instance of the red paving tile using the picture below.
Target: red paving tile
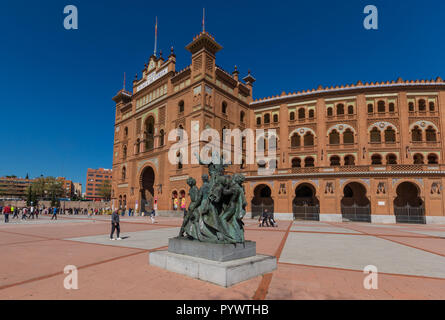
(34, 267)
(293, 282)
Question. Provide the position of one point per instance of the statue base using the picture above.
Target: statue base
(212, 251)
(221, 264)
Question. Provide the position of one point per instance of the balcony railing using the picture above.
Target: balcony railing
(353, 169)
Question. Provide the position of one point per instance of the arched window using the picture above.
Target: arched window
(381, 108)
(348, 136)
(330, 112)
(370, 108)
(376, 159)
(161, 138)
(422, 105)
(273, 164)
(295, 140)
(292, 116)
(296, 163)
(224, 107)
(349, 160)
(411, 107)
(335, 161)
(261, 144)
(334, 137)
(311, 114)
(391, 107)
(375, 135)
(124, 173)
(309, 162)
(275, 118)
(125, 152)
(149, 133)
(181, 131)
(241, 116)
(273, 142)
(309, 139)
(416, 134)
(258, 121)
(126, 132)
(431, 134)
(138, 145)
(391, 159)
(179, 155)
(350, 109)
(433, 159)
(301, 113)
(181, 106)
(340, 109)
(432, 107)
(418, 158)
(267, 118)
(390, 135)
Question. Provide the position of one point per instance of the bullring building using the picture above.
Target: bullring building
(370, 152)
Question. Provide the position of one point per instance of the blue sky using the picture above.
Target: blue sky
(56, 85)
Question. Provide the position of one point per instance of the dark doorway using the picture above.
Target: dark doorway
(262, 199)
(147, 189)
(305, 205)
(408, 206)
(355, 205)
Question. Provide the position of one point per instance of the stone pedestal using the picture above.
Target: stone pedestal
(221, 264)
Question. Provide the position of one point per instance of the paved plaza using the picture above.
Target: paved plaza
(316, 260)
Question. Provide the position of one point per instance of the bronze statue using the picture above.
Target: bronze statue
(217, 209)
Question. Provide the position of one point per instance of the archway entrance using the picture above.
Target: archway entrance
(147, 189)
(305, 205)
(408, 206)
(355, 205)
(262, 199)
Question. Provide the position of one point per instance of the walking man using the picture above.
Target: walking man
(14, 212)
(54, 216)
(6, 212)
(265, 217)
(115, 225)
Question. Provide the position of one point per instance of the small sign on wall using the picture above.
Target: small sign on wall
(382, 203)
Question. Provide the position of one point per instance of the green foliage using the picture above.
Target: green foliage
(105, 190)
(46, 188)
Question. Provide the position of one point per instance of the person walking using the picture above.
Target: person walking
(271, 219)
(115, 225)
(265, 217)
(24, 213)
(6, 212)
(152, 216)
(14, 212)
(54, 216)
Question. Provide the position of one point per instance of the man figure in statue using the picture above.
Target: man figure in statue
(191, 219)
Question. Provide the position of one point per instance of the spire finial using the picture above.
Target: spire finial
(124, 81)
(156, 36)
(203, 20)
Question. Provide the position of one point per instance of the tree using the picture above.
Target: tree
(105, 190)
(47, 188)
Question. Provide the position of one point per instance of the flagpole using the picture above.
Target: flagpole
(203, 19)
(156, 35)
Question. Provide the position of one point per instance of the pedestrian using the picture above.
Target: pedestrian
(54, 216)
(15, 213)
(37, 213)
(152, 216)
(265, 217)
(32, 211)
(6, 212)
(24, 213)
(115, 225)
(272, 220)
